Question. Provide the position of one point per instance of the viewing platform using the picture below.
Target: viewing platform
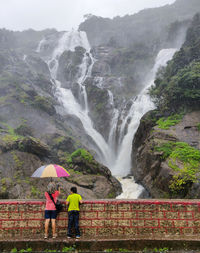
(105, 224)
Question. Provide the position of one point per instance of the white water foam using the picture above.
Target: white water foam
(140, 106)
(130, 190)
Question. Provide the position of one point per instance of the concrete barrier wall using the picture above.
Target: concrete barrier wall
(107, 219)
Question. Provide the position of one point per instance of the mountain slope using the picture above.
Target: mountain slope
(166, 149)
(32, 133)
(149, 26)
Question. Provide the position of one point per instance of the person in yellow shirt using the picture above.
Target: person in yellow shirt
(73, 200)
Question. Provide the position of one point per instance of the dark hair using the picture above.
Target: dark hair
(74, 189)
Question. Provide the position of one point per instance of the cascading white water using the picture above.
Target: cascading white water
(69, 41)
(140, 106)
(118, 162)
(40, 45)
(130, 190)
(113, 129)
(111, 99)
(71, 106)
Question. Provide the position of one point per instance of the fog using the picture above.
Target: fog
(65, 14)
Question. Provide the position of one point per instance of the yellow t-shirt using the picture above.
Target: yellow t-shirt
(73, 200)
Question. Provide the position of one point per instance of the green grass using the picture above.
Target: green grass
(166, 148)
(69, 249)
(26, 250)
(21, 250)
(13, 250)
(198, 126)
(166, 123)
(160, 250)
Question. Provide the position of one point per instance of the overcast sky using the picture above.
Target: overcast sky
(65, 14)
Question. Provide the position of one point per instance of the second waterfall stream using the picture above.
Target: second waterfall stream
(118, 159)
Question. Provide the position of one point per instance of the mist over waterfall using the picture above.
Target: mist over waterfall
(69, 41)
(93, 100)
(140, 105)
(114, 152)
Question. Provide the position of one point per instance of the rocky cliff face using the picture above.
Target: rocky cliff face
(32, 133)
(152, 168)
(166, 148)
(21, 156)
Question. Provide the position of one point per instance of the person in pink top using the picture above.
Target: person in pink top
(50, 209)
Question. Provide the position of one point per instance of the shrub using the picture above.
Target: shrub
(35, 192)
(179, 91)
(69, 249)
(83, 153)
(11, 136)
(44, 104)
(185, 160)
(166, 123)
(13, 250)
(166, 148)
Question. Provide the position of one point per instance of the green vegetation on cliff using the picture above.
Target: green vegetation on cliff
(180, 91)
(184, 160)
(9, 133)
(166, 123)
(80, 153)
(178, 86)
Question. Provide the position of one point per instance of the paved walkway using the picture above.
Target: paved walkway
(101, 245)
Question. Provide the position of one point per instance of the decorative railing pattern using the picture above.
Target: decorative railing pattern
(106, 218)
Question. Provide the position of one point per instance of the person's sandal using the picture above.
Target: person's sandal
(54, 236)
(45, 236)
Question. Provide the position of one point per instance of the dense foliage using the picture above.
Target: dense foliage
(184, 160)
(178, 86)
(80, 153)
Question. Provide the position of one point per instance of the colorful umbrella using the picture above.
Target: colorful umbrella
(51, 170)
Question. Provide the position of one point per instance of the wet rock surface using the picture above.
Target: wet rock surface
(149, 167)
(20, 158)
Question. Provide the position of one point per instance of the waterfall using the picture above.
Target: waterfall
(66, 98)
(140, 106)
(69, 41)
(112, 135)
(118, 160)
(38, 49)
